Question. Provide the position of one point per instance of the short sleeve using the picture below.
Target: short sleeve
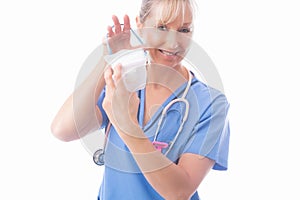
(210, 136)
(99, 104)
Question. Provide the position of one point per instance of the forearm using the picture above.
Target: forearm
(168, 179)
(79, 114)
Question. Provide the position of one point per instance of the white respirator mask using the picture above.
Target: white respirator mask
(134, 73)
(134, 61)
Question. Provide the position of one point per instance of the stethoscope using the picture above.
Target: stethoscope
(98, 156)
(161, 145)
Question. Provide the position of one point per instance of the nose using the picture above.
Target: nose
(171, 40)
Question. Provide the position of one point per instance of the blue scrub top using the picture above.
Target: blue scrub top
(206, 132)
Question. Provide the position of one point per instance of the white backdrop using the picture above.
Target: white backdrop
(254, 44)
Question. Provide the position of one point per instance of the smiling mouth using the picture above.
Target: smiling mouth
(168, 53)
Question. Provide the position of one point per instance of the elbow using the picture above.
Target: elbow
(61, 132)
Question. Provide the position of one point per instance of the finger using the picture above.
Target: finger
(108, 78)
(117, 72)
(110, 31)
(134, 98)
(118, 77)
(126, 23)
(117, 24)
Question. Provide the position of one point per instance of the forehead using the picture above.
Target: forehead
(167, 12)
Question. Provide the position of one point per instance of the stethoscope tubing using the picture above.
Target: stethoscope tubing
(99, 154)
(186, 112)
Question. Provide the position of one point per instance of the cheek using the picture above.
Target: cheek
(154, 38)
(160, 39)
(152, 54)
(184, 40)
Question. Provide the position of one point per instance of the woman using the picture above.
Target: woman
(134, 168)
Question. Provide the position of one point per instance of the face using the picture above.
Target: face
(168, 43)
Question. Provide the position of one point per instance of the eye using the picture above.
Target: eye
(184, 30)
(162, 27)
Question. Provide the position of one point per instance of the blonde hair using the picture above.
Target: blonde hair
(166, 10)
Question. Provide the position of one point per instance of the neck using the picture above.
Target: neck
(167, 77)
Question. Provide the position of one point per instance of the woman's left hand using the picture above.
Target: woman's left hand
(118, 37)
(120, 105)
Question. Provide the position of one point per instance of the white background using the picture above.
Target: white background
(254, 44)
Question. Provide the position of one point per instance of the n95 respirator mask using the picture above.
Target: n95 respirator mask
(134, 73)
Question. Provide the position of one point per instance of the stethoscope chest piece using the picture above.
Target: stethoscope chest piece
(98, 157)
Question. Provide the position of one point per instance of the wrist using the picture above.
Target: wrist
(131, 131)
(105, 48)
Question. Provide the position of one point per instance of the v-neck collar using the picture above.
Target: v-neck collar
(142, 96)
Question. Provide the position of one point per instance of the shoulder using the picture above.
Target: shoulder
(207, 95)
(206, 103)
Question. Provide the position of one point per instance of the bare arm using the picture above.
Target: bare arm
(171, 181)
(80, 114)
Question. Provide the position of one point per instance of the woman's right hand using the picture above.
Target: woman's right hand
(118, 37)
